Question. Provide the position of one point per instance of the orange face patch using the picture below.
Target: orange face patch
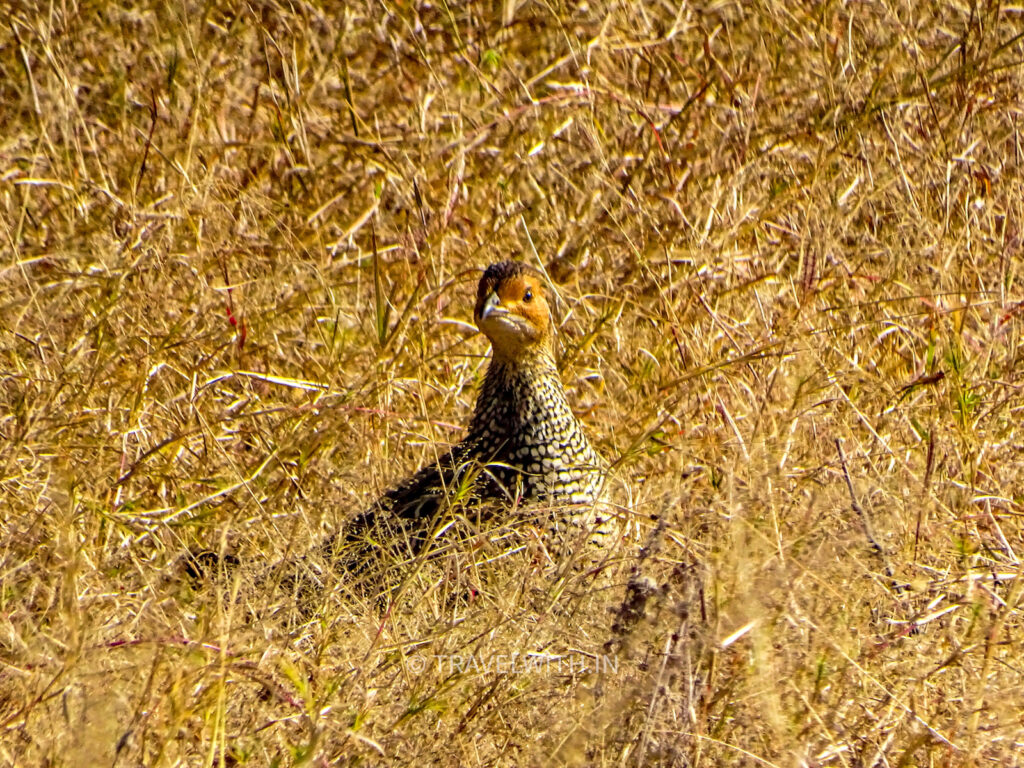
(524, 296)
(524, 320)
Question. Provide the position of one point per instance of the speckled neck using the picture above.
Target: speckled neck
(524, 427)
(515, 392)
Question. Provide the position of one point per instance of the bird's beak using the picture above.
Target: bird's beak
(492, 306)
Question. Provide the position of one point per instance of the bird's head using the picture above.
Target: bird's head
(512, 310)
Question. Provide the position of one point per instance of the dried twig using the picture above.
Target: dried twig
(862, 513)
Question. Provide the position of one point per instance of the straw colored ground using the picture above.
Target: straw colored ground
(239, 246)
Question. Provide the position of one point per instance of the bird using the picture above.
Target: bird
(525, 452)
(524, 444)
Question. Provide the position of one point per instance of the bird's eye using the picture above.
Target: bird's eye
(528, 296)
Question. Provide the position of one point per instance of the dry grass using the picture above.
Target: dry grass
(238, 251)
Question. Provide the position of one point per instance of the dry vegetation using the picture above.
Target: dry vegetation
(238, 249)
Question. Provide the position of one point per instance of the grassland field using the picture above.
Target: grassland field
(238, 251)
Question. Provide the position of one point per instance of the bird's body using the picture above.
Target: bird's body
(523, 444)
(525, 452)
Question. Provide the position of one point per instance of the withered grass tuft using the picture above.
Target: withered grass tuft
(238, 256)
